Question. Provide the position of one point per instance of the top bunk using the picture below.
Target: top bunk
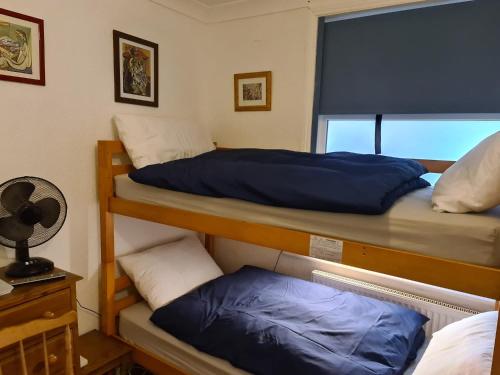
(410, 241)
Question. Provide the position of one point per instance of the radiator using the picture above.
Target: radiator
(439, 313)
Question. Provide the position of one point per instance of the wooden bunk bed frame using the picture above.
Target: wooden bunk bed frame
(469, 278)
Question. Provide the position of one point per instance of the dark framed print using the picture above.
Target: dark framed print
(252, 91)
(22, 56)
(136, 70)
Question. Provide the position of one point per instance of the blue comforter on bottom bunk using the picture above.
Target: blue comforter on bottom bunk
(267, 323)
(336, 182)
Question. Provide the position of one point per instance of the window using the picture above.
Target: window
(419, 137)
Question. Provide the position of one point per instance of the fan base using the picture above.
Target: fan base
(32, 267)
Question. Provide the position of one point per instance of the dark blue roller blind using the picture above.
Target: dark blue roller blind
(442, 59)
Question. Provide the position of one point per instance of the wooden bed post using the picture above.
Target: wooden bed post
(105, 155)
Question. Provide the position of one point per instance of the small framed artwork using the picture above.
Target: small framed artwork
(21, 48)
(252, 91)
(136, 70)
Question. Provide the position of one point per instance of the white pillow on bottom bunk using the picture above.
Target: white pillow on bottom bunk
(461, 348)
(165, 272)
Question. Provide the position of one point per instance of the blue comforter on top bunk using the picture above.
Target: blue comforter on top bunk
(336, 182)
(271, 324)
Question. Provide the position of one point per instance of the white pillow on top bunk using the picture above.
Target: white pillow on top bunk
(464, 347)
(472, 184)
(152, 140)
(166, 272)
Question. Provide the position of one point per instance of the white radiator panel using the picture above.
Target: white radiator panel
(440, 313)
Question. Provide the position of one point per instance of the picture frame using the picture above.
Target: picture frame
(253, 91)
(135, 70)
(22, 48)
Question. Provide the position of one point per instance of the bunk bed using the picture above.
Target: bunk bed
(461, 275)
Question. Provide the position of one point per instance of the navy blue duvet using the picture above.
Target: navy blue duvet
(336, 182)
(267, 323)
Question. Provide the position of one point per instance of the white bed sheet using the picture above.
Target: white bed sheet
(136, 328)
(410, 224)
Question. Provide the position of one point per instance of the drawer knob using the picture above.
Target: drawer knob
(48, 315)
(52, 359)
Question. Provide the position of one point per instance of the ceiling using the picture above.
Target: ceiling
(212, 3)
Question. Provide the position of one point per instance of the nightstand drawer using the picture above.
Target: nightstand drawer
(11, 364)
(49, 306)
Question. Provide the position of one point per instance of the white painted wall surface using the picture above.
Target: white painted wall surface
(283, 43)
(52, 131)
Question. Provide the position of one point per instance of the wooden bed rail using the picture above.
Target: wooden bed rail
(469, 278)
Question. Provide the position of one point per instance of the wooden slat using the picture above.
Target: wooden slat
(45, 354)
(154, 363)
(258, 234)
(150, 361)
(436, 166)
(122, 169)
(125, 302)
(22, 355)
(122, 283)
(13, 334)
(464, 277)
(69, 349)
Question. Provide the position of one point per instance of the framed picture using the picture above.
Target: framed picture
(252, 91)
(21, 48)
(136, 70)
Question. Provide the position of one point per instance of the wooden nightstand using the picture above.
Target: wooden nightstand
(104, 354)
(46, 299)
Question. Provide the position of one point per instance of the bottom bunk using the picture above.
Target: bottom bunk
(155, 347)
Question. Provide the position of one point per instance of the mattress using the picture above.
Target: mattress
(136, 328)
(409, 225)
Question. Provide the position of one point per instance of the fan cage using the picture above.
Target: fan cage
(43, 189)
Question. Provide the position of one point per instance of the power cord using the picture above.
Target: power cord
(277, 260)
(87, 309)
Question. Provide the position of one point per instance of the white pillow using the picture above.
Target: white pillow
(461, 348)
(473, 182)
(152, 140)
(165, 272)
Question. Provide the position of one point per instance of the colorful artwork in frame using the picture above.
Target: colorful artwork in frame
(21, 48)
(136, 70)
(252, 91)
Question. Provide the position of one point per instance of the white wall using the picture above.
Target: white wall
(281, 42)
(52, 131)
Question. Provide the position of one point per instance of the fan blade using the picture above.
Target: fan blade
(16, 195)
(13, 230)
(50, 211)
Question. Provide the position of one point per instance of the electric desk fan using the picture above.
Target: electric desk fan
(32, 210)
